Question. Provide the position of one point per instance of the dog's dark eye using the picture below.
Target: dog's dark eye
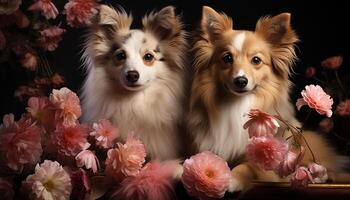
(121, 55)
(227, 58)
(256, 60)
(148, 57)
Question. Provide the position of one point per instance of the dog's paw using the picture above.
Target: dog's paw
(235, 185)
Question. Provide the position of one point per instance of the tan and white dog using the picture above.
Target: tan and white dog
(136, 77)
(238, 70)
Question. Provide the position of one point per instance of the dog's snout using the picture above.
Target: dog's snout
(132, 76)
(240, 82)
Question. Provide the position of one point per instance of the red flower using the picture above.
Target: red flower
(46, 7)
(80, 12)
(50, 38)
(310, 72)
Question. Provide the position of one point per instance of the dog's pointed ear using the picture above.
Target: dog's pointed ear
(277, 30)
(164, 24)
(214, 24)
(119, 19)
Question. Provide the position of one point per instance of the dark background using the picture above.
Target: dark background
(321, 27)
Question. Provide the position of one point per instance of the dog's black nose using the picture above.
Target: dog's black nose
(132, 76)
(240, 82)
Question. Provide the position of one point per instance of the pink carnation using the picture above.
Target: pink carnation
(268, 152)
(50, 37)
(29, 61)
(126, 160)
(67, 105)
(310, 72)
(290, 163)
(6, 190)
(80, 12)
(40, 109)
(46, 7)
(326, 125)
(260, 124)
(71, 140)
(316, 98)
(343, 109)
(154, 182)
(332, 63)
(301, 177)
(105, 133)
(318, 173)
(20, 142)
(206, 176)
(88, 159)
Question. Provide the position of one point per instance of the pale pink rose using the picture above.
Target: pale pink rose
(105, 133)
(206, 176)
(310, 72)
(50, 37)
(50, 181)
(260, 124)
(40, 109)
(316, 98)
(301, 177)
(9, 6)
(154, 182)
(21, 19)
(29, 61)
(290, 163)
(88, 159)
(332, 63)
(46, 7)
(343, 109)
(326, 125)
(318, 173)
(57, 80)
(80, 12)
(67, 105)
(81, 184)
(6, 190)
(267, 152)
(20, 142)
(2, 40)
(126, 160)
(71, 140)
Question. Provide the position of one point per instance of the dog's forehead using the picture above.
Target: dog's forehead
(137, 38)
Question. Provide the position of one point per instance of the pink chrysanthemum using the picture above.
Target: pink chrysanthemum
(50, 181)
(71, 140)
(332, 63)
(301, 177)
(290, 163)
(80, 12)
(105, 133)
(318, 173)
(50, 37)
(343, 109)
(206, 176)
(267, 152)
(67, 105)
(46, 7)
(126, 160)
(154, 182)
(20, 142)
(88, 159)
(260, 124)
(316, 98)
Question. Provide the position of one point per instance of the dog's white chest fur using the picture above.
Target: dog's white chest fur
(226, 136)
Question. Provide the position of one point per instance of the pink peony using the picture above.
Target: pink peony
(88, 159)
(316, 98)
(71, 140)
(50, 181)
(154, 182)
(267, 152)
(2, 40)
(301, 177)
(343, 109)
(46, 7)
(290, 163)
(9, 6)
(80, 12)
(20, 142)
(310, 72)
(126, 160)
(206, 176)
(260, 124)
(105, 133)
(67, 105)
(332, 63)
(40, 109)
(50, 37)
(29, 61)
(81, 184)
(6, 190)
(318, 173)
(326, 125)
(57, 80)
